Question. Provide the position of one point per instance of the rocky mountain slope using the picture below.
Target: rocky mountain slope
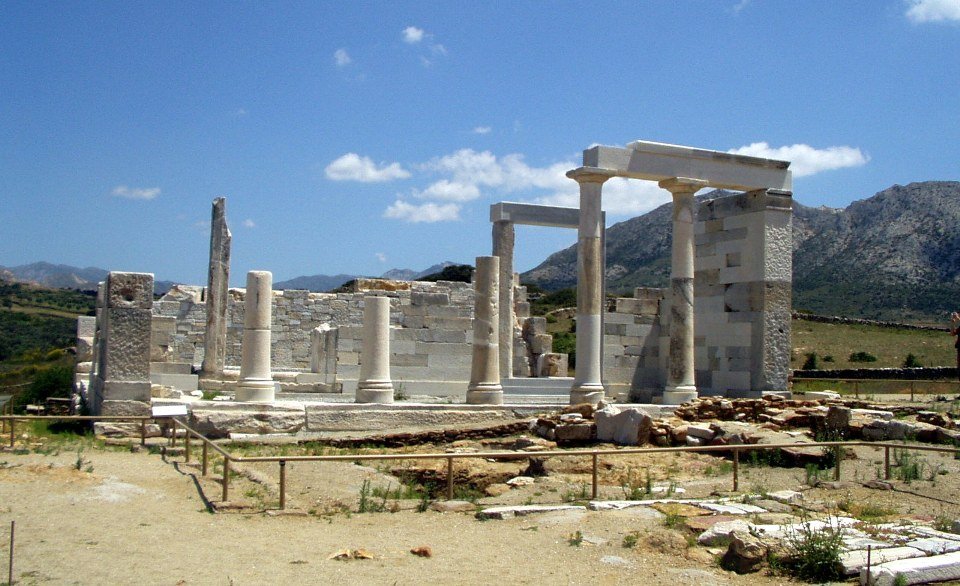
(64, 277)
(895, 255)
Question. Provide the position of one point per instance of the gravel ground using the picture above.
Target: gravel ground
(133, 518)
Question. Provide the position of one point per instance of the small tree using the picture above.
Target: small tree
(811, 362)
(911, 361)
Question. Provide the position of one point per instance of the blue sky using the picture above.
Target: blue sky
(355, 137)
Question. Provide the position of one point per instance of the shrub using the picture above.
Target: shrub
(811, 362)
(862, 356)
(49, 382)
(911, 362)
(815, 553)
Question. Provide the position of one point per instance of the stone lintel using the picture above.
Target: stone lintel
(535, 215)
(745, 203)
(657, 161)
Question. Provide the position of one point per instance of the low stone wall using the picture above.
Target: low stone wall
(833, 319)
(924, 373)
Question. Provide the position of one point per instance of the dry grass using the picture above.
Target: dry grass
(889, 345)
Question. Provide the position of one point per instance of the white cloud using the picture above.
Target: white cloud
(449, 191)
(921, 11)
(136, 192)
(805, 159)
(380, 256)
(240, 112)
(248, 223)
(342, 58)
(482, 130)
(621, 197)
(438, 49)
(740, 6)
(353, 167)
(412, 35)
(425, 213)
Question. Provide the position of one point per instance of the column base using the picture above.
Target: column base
(485, 395)
(679, 395)
(586, 394)
(374, 392)
(255, 391)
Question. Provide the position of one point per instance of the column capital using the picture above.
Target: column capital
(590, 174)
(679, 185)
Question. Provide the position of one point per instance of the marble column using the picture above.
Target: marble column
(256, 380)
(587, 384)
(503, 239)
(681, 385)
(218, 282)
(374, 385)
(484, 388)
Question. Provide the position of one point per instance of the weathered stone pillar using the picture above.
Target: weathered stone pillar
(681, 385)
(122, 369)
(503, 239)
(485, 386)
(218, 283)
(256, 380)
(374, 384)
(587, 384)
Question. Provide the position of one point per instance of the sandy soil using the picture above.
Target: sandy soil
(134, 518)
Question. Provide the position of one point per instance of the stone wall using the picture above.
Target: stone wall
(430, 329)
(742, 295)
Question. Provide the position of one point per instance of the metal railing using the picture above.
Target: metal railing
(735, 449)
(912, 383)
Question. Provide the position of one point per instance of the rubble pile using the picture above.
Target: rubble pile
(717, 421)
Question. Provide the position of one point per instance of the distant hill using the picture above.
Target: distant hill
(895, 255)
(411, 275)
(322, 283)
(65, 277)
(319, 283)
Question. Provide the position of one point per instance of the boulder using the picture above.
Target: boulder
(574, 432)
(838, 419)
(720, 533)
(745, 553)
(630, 427)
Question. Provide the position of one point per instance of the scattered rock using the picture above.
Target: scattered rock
(453, 506)
(496, 489)
(350, 554)
(878, 485)
(520, 481)
(614, 560)
(423, 551)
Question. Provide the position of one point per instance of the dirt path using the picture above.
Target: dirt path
(135, 519)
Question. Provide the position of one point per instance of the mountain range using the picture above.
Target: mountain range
(85, 279)
(892, 256)
(895, 255)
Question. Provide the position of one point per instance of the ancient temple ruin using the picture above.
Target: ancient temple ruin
(722, 328)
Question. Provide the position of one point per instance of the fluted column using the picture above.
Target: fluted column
(503, 239)
(587, 384)
(256, 380)
(485, 386)
(681, 384)
(375, 385)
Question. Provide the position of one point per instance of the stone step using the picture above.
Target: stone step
(537, 386)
